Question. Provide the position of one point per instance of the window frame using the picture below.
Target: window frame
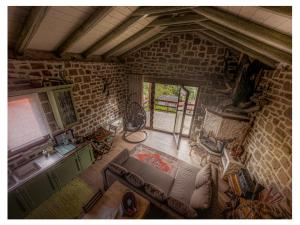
(28, 146)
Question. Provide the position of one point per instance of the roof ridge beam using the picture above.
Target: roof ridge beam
(177, 20)
(156, 10)
(84, 28)
(32, 23)
(183, 28)
(251, 29)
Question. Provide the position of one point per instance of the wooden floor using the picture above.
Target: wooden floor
(157, 140)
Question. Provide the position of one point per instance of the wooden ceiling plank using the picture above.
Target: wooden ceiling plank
(256, 45)
(111, 35)
(32, 23)
(251, 29)
(144, 43)
(244, 49)
(84, 28)
(148, 10)
(280, 10)
(177, 20)
(126, 42)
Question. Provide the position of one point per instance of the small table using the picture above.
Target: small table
(112, 199)
(230, 165)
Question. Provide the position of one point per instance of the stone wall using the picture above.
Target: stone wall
(270, 139)
(93, 107)
(186, 58)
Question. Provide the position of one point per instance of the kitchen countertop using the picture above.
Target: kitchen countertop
(44, 162)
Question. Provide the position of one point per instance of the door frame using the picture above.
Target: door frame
(152, 83)
(183, 115)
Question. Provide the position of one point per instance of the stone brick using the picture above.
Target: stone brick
(288, 113)
(282, 176)
(37, 66)
(73, 72)
(269, 127)
(275, 164)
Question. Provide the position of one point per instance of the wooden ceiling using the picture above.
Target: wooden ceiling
(261, 32)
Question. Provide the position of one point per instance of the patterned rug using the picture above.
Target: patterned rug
(160, 160)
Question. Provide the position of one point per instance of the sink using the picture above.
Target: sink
(26, 170)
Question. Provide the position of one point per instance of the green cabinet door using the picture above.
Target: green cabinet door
(66, 170)
(85, 157)
(18, 207)
(39, 189)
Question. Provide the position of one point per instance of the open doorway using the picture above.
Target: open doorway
(166, 105)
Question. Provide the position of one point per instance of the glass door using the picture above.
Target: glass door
(180, 114)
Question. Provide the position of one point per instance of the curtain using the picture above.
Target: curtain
(135, 87)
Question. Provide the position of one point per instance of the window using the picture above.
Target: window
(26, 122)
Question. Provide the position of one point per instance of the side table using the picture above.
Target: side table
(230, 165)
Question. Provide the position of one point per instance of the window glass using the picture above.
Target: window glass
(26, 121)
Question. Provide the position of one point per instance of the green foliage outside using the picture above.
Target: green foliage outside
(166, 89)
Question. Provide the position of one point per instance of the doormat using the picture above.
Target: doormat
(155, 158)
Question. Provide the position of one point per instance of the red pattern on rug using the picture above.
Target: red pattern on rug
(155, 158)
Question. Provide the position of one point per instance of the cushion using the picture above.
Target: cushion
(182, 188)
(181, 207)
(118, 169)
(203, 176)
(134, 179)
(201, 197)
(155, 192)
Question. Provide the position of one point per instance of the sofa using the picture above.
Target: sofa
(173, 195)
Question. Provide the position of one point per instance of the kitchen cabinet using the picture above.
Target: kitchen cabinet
(85, 157)
(18, 206)
(40, 188)
(65, 171)
(32, 193)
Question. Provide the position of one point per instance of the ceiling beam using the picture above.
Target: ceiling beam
(144, 43)
(251, 29)
(111, 35)
(126, 42)
(280, 10)
(84, 28)
(176, 20)
(241, 48)
(258, 46)
(172, 13)
(183, 28)
(32, 23)
(149, 10)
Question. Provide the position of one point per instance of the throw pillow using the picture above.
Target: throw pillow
(203, 176)
(181, 208)
(118, 169)
(134, 179)
(155, 192)
(201, 196)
